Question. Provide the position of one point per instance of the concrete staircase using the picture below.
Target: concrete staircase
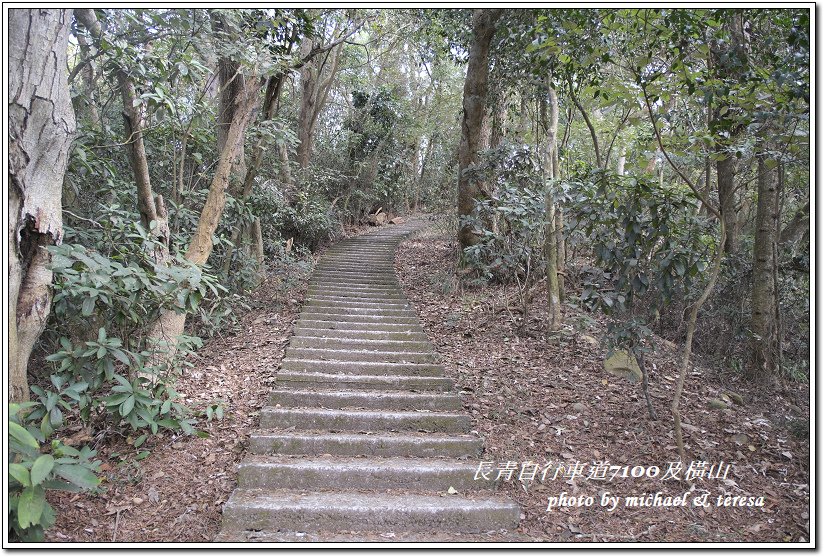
(363, 437)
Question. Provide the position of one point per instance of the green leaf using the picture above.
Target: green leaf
(88, 307)
(20, 473)
(77, 475)
(42, 468)
(127, 406)
(24, 437)
(30, 507)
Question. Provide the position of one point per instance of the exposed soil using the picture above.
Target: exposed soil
(532, 400)
(540, 400)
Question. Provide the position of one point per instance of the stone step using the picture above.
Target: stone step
(496, 537)
(331, 285)
(310, 365)
(359, 444)
(363, 420)
(356, 305)
(384, 400)
(344, 309)
(364, 334)
(338, 275)
(311, 314)
(361, 355)
(356, 283)
(353, 342)
(348, 473)
(354, 268)
(359, 270)
(346, 295)
(304, 379)
(334, 325)
(274, 510)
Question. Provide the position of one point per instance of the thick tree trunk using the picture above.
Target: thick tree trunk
(474, 104)
(763, 324)
(232, 84)
(41, 129)
(170, 324)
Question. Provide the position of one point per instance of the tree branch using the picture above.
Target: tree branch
(695, 190)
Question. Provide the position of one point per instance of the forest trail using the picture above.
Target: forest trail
(363, 437)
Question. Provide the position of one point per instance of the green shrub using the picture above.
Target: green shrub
(511, 222)
(33, 472)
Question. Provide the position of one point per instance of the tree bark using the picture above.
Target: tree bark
(232, 84)
(725, 173)
(170, 324)
(762, 323)
(314, 91)
(86, 104)
(474, 104)
(798, 226)
(729, 62)
(41, 129)
(553, 292)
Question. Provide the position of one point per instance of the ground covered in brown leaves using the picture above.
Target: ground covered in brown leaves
(552, 402)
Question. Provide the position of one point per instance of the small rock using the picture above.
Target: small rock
(736, 398)
(579, 407)
(623, 364)
(397, 220)
(137, 500)
(717, 404)
(592, 341)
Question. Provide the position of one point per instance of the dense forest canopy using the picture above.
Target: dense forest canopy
(648, 164)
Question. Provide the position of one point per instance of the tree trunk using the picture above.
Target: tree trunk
(474, 104)
(86, 104)
(170, 324)
(725, 173)
(592, 133)
(151, 208)
(553, 291)
(232, 84)
(499, 121)
(763, 325)
(41, 129)
(798, 226)
(729, 60)
(314, 91)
